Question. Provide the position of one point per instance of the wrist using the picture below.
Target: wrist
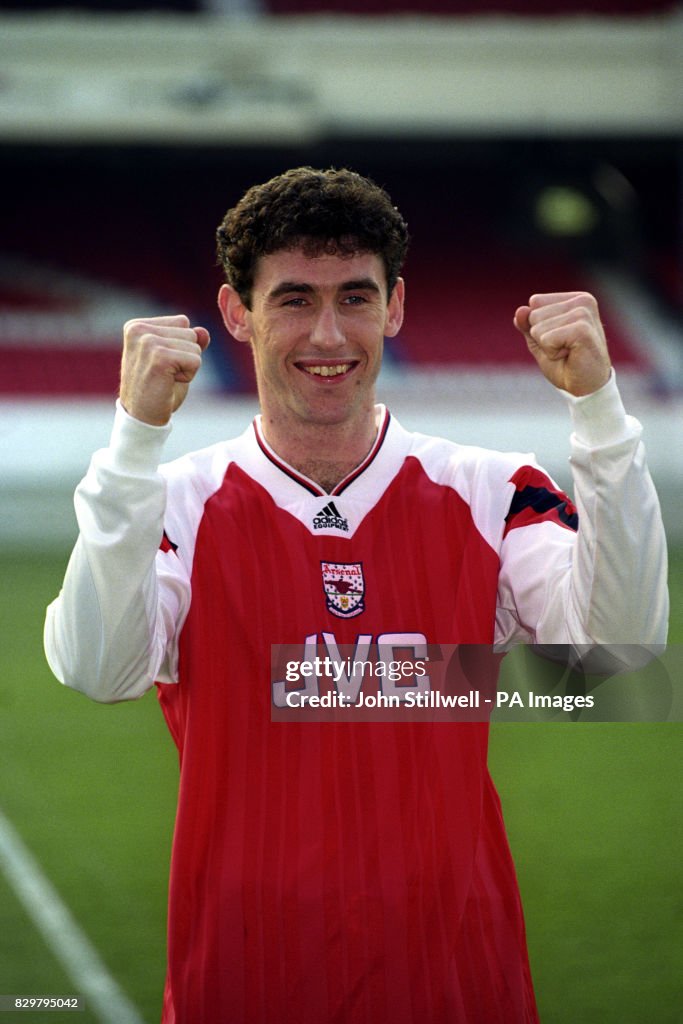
(136, 446)
(599, 418)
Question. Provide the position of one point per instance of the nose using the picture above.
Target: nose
(326, 330)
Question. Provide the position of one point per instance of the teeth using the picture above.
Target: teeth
(327, 371)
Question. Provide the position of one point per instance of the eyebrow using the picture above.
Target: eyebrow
(302, 287)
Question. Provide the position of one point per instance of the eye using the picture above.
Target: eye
(296, 302)
(354, 300)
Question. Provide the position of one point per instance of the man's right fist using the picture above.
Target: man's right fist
(161, 356)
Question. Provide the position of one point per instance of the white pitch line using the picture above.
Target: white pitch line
(67, 942)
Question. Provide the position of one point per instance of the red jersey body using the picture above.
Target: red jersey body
(348, 872)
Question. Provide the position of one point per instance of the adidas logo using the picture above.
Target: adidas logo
(328, 518)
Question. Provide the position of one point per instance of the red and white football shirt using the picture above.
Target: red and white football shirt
(336, 872)
(352, 871)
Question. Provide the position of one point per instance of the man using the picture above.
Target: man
(341, 871)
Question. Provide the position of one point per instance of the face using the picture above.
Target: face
(316, 328)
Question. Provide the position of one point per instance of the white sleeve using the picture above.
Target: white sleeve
(601, 590)
(111, 631)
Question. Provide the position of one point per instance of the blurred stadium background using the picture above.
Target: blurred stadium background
(532, 146)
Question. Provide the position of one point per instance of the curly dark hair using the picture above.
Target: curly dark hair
(337, 212)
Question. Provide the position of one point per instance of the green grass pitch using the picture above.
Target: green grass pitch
(593, 814)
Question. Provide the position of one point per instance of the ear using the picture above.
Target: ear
(235, 314)
(394, 317)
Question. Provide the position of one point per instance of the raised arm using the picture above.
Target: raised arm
(111, 630)
(602, 588)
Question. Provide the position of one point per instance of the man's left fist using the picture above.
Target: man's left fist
(564, 334)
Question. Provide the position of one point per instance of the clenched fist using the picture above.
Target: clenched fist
(565, 335)
(161, 356)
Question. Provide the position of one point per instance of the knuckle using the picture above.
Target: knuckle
(148, 341)
(585, 302)
(137, 332)
(132, 327)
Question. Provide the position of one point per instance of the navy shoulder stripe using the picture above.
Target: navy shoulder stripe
(536, 499)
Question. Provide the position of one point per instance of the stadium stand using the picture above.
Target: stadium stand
(358, 7)
(470, 7)
(61, 327)
(91, 239)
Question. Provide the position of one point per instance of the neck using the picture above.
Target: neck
(324, 453)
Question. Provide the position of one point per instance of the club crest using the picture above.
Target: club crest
(344, 588)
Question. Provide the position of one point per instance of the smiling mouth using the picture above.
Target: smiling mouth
(326, 370)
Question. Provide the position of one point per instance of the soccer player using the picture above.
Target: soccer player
(342, 871)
